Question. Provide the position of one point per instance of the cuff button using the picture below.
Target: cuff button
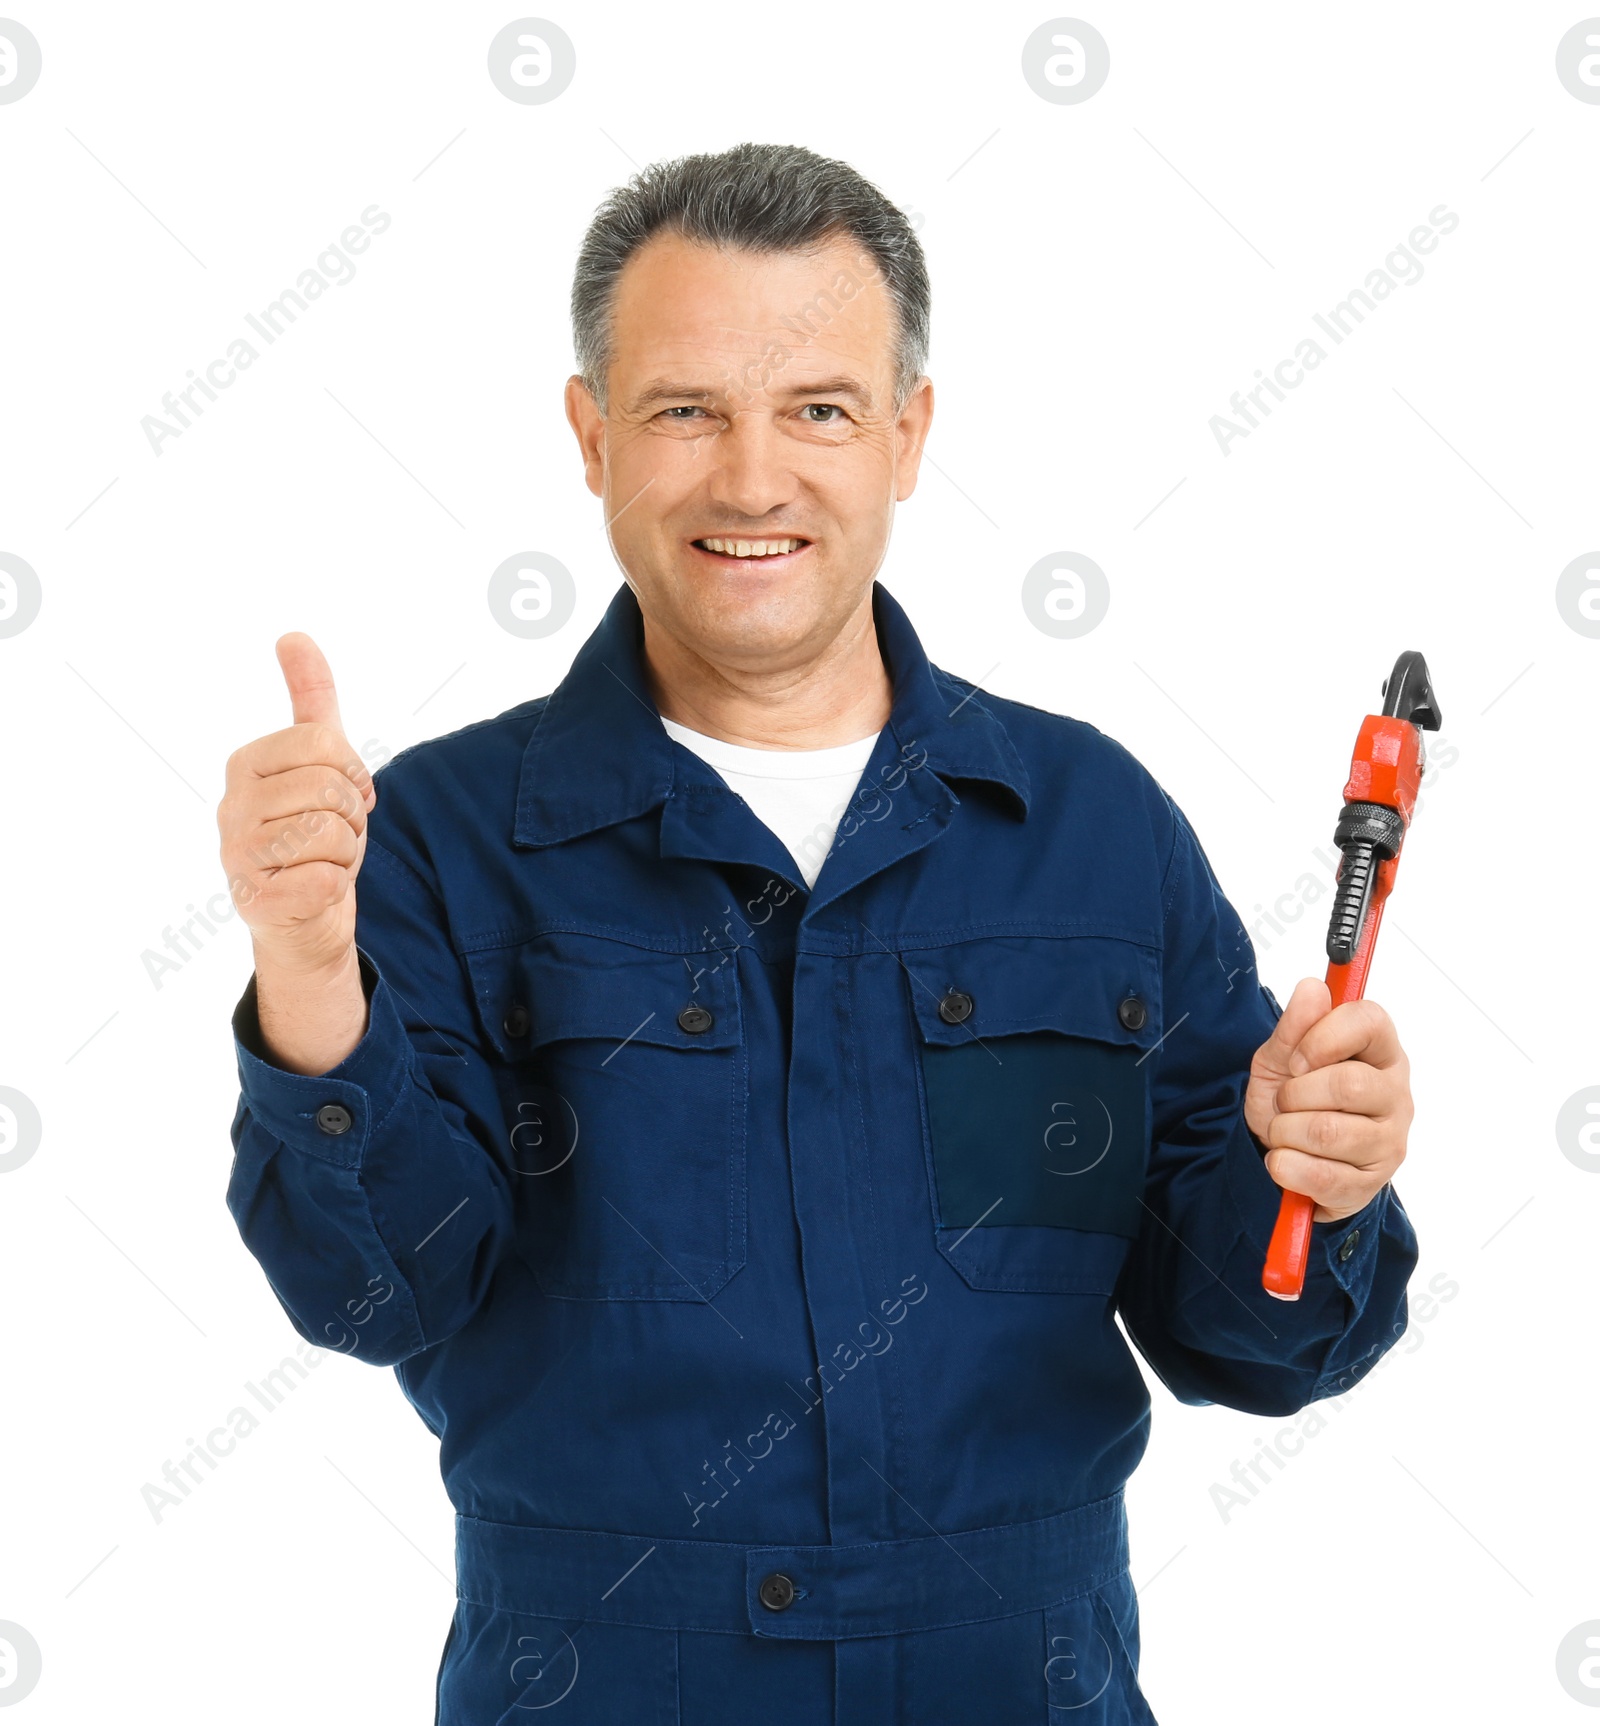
(334, 1118)
(776, 1592)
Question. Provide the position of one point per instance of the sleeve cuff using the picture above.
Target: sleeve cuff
(332, 1115)
(1345, 1250)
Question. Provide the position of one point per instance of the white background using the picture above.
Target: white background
(1105, 276)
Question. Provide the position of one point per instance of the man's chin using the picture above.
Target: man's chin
(752, 621)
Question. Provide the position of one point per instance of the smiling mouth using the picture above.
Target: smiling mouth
(752, 551)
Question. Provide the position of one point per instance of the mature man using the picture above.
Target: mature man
(742, 1185)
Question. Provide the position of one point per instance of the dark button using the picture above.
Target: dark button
(1348, 1245)
(517, 1021)
(776, 1591)
(1132, 1013)
(694, 1019)
(955, 1006)
(334, 1118)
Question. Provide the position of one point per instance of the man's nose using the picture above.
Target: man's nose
(751, 470)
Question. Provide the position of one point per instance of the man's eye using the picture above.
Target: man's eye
(668, 412)
(826, 407)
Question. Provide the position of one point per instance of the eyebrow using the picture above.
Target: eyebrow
(665, 389)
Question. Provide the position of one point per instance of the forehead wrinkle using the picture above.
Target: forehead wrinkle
(730, 353)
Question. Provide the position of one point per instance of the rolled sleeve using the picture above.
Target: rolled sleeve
(366, 1084)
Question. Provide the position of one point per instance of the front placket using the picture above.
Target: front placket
(848, 1276)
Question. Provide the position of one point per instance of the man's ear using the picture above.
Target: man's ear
(911, 431)
(588, 425)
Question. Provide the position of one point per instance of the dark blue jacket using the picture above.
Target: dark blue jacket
(753, 1253)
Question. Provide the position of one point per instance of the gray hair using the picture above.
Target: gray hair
(759, 198)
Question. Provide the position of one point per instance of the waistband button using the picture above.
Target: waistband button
(776, 1592)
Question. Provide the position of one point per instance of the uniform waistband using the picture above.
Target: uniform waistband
(877, 1588)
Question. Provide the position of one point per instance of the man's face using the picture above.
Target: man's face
(751, 399)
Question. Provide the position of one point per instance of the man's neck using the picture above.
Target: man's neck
(839, 695)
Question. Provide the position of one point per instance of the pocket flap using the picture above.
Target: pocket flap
(560, 985)
(624, 1085)
(1080, 985)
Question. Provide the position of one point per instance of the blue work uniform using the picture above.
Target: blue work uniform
(754, 1253)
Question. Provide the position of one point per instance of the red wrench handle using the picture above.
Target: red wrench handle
(1289, 1250)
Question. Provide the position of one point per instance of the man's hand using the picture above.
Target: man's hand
(294, 830)
(294, 822)
(1330, 1096)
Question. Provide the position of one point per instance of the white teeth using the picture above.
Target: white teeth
(752, 547)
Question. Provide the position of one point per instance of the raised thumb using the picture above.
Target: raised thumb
(311, 691)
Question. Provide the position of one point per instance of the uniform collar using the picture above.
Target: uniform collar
(599, 753)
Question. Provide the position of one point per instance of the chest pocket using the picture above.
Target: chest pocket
(623, 1078)
(1035, 1060)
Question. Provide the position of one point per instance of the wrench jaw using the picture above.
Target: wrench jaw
(1408, 692)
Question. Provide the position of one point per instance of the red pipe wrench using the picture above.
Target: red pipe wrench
(1385, 773)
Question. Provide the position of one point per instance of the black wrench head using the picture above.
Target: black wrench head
(1408, 692)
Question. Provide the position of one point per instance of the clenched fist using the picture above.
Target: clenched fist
(1330, 1096)
(294, 822)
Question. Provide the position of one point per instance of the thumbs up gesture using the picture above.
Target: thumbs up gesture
(294, 826)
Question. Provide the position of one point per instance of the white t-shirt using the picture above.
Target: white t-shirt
(799, 793)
